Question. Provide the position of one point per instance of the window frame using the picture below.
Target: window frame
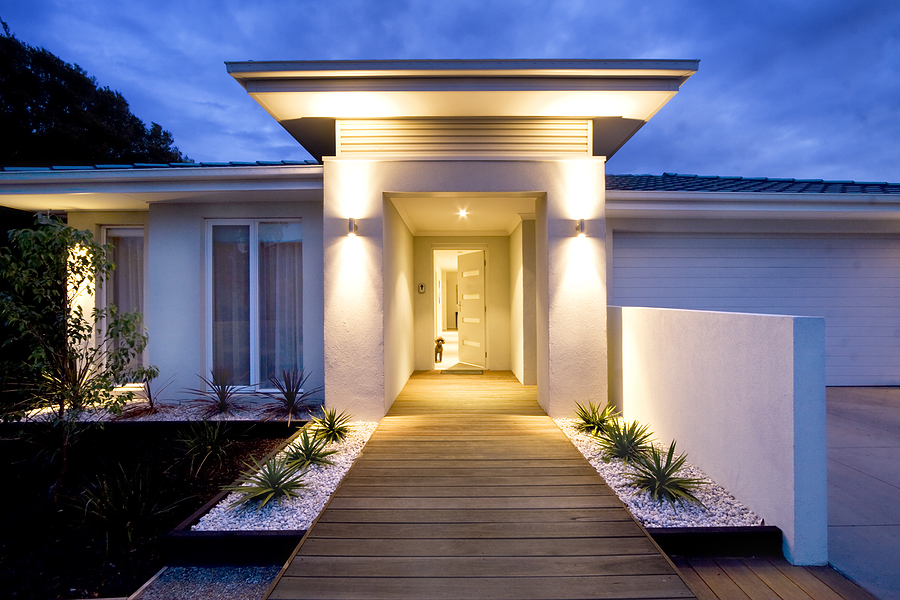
(254, 377)
(101, 297)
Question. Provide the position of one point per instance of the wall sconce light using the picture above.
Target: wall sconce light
(352, 227)
(579, 227)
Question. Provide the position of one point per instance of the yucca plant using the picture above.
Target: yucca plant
(292, 399)
(331, 426)
(625, 441)
(126, 502)
(275, 478)
(656, 474)
(592, 420)
(148, 396)
(204, 442)
(308, 450)
(219, 394)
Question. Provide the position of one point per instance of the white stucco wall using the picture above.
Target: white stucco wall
(176, 309)
(572, 270)
(399, 340)
(496, 295)
(523, 345)
(744, 396)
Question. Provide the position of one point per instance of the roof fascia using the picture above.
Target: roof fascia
(725, 205)
(172, 179)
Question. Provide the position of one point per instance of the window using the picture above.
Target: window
(125, 287)
(254, 291)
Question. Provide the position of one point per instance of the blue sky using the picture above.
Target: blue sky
(805, 89)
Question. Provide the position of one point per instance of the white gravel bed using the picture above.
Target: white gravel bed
(295, 513)
(721, 508)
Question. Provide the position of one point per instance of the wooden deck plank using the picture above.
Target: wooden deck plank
(477, 566)
(775, 579)
(720, 583)
(807, 581)
(694, 581)
(478, 547)
(483, 503)
(840, 584)
(484, 588)
(473, 492)
(746, 579)
(505, 515)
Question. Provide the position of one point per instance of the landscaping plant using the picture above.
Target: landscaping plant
(219, 394)
(77, 356)
(205, 441)
(625, 441)
(124, 502)
(292, 399)
(275, 478)
(592, 420)
(331, 426)
(657, 476)
(308, 450)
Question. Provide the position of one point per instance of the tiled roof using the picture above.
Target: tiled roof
(667, 182)
(673, 182)
(258, 163)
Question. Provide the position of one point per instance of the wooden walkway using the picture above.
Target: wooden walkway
(468, 490)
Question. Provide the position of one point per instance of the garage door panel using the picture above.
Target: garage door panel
(854, 282)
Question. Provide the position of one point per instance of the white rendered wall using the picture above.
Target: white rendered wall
(523, 344)
(496, 295)
(399, 340)
(744, 396)
(176, 306)
(572, 271)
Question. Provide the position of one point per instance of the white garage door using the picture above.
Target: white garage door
(854, 282)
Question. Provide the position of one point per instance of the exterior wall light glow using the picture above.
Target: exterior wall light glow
(579, 227)
(352, 227)
(463, 212)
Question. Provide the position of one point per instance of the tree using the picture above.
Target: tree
(76, 359)
(53, 113)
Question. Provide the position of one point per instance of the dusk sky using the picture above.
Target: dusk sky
(803, 89)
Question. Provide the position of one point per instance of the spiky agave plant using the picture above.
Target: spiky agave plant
(657, 474)
(592, 420)
(273, 479)
(308, 450)
(331, 426)
(292, 398)
(625, 441)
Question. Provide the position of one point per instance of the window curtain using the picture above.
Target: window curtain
(125, 287)
(231, 302)
(280, 299)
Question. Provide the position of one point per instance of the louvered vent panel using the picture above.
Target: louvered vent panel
(463, 137)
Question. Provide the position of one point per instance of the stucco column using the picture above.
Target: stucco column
(353, 290)
(571, 282)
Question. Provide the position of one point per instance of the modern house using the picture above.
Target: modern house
(472, 195)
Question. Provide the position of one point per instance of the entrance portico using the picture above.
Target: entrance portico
(535, 129)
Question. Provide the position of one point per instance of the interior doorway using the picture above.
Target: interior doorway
(460, 308)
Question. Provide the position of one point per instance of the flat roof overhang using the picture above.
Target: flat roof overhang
(137, 189)
(618, 95)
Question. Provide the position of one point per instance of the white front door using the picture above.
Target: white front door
(472, 347)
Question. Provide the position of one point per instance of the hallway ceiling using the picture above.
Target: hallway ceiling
(438, 214)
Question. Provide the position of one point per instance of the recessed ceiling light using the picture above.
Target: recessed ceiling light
(463, 212)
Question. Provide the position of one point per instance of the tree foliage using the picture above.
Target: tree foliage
(53, 113)
(76, 359)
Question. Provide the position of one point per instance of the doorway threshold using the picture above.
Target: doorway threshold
(463, 369)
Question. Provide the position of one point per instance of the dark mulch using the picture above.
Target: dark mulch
(50, 550)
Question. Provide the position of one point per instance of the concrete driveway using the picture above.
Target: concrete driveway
(864, 487)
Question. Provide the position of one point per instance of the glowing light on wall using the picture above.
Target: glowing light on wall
(352, 227)
(579, 228)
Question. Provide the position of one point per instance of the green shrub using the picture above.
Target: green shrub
(275, 478)
(206, 442)
(292, 399)
(625, 441)
(332, 427)
(219, 394)
(657, 476)
(592, 420)
(308, 450)
(125, 503)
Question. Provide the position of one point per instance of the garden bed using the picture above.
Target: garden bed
(52, 550)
